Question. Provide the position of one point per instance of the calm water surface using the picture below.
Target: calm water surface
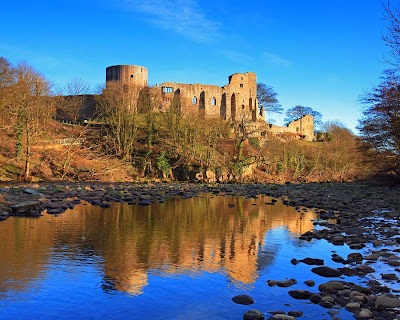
(182, 259)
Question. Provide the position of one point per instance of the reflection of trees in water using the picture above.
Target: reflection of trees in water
(178, 236)
(25, 248)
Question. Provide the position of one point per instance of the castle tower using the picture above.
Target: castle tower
(127, 77)
(241, 97)
(126, 81)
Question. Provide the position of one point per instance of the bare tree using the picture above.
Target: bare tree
(299, 112)
(120, 125)
(267, 99)
(380, 125)
(392, 35)
(73, 103)
(25, 98)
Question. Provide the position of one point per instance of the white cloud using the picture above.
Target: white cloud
(271, 58)
(238, 57)
(185, 17)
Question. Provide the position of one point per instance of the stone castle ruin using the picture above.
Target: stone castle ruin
(235, 101)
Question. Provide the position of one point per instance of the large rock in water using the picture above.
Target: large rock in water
(326, 272)
(243, 299)
(387, 301)
(300, 294)
(26, 207)
(282, 317)
(313, 261)
(252, 315)
(331, 286)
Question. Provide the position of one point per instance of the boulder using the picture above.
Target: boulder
(282, 317)
(286, 283)
(389, 276)
(313, 261)
(365, 269)
(300, 294)
(272, 283)
(326, 272)
(252, 315)
(310, 283)
(315, 298)
(365, 314)
(331, 287)
(296, 313)
(353, 307)
(25, 207)
(387, 300)
(243, 299)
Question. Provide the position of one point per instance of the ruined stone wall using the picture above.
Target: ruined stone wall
(233, 101)
(197, 99)
(303, 126)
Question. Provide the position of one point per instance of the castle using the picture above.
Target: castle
(235, 101)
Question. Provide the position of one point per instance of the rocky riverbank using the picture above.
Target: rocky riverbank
(361, 216)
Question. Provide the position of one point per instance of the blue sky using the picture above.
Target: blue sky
(317, 53)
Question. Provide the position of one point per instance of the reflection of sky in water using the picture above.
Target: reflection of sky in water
(184, 259)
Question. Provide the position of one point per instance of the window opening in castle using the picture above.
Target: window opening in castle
(194, 101)
(167, 89)
(241, 85)
(131, 76)
(213, 101)
(165, 101)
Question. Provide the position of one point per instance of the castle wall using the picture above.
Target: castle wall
(200, 99)
(233, 101)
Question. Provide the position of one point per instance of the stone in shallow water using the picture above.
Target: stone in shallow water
(286, 283)
(313, 261)
(315, 298)
(243, 299)
(374, 256)
(355, 256)
(310, 283)
(353, 306)
(331, 286)
(300, 294)
(296, 313)
(387, 300)
(282, 317)
(25, 206)
(365, 314)
(365, 269)
(326, 272)
(252, 315)
(350, 272)
(337, 258)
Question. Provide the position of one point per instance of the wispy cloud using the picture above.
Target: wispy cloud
(271, 58)
(185, 17)
(238, 57)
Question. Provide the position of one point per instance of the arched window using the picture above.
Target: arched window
(213, 101)
(194, 101)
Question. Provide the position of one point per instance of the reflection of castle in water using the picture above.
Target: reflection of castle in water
(179, 236)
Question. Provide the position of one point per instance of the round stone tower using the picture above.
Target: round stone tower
(126, 77)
